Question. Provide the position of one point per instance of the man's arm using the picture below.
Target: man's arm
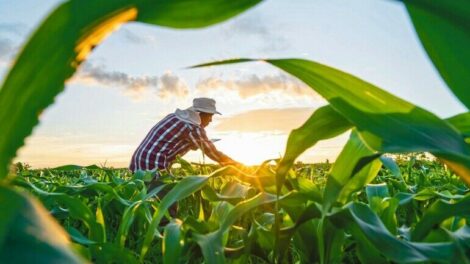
(199, 138)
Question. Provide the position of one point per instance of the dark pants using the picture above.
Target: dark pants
(173, 210)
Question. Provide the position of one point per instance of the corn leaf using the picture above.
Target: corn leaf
(111, 253)
(184, 188)
(461, 122)
(385, 122)
(25, 224)
(324, 123)
(78, 237)
(342, 179)
(360, 219)
(172, 242)
(379, 190)
(126, 221)
(444, 30)
(462, 237)
(301, 217)
(212, 244)
(438, 212)
(189, 13)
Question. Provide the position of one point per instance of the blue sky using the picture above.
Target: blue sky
(138, 75)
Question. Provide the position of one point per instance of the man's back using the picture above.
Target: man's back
(170, 137)
(165, 140)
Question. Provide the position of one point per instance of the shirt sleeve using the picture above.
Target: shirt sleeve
(198, 137)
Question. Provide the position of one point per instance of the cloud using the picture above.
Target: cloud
(135, 38)
(277, 120)
(7, 51)
(166, 85)
(172, 85)
(10, 36)
(115, 78)
(253, 25)
(250, 25)
(18, 29)
(253, 85)
(7, 48)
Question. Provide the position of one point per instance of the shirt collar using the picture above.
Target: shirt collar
(188, 116)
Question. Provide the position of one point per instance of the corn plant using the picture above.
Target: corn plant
(230, 215)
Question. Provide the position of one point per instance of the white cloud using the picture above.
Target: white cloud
(254, 85)
(171, 84)
(135, 86)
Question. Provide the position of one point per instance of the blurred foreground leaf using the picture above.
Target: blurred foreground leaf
(28, 234)
(65, 39)
(443, 27)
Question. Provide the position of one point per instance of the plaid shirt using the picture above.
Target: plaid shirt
(167, 139)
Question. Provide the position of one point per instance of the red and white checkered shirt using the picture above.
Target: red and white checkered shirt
(167, 139)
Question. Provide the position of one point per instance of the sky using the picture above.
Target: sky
(139, 74)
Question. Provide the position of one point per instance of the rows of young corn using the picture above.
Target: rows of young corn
(227, 217)
(298, 211)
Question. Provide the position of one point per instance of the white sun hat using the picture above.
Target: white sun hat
(203, 104)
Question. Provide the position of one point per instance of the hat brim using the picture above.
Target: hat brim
(204, 110)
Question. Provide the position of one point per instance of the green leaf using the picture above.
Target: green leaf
(461, 122)
(305, 241)
(75, 167)
(309, 189)
(388, 215)
(285, 235)
(184, 188)
(232, 192)
(428, 194)
(211, 247)
(79, 237)
(377, 190)
(324, 123)
(444, 30)
(145, 176)
(92, 186)
(385, 122)
(220, 211)
(390, 164)
(68, 168)
(360, 219)
(438, 212)
(28, 234)
(260, 179)
(190, 13)
(462, 237)
(111, 253)
(100, 221)
(79, 210)
(126, 221)
(331, 240)
(64, 40)
(342, 181)
(212, 244)
(172, 242)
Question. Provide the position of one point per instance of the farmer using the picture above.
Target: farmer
(175, 135)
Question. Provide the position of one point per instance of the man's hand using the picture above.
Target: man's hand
(232, 162)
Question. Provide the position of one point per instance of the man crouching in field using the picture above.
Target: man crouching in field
(175, 135)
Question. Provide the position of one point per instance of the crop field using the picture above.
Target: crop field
(414, 203)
